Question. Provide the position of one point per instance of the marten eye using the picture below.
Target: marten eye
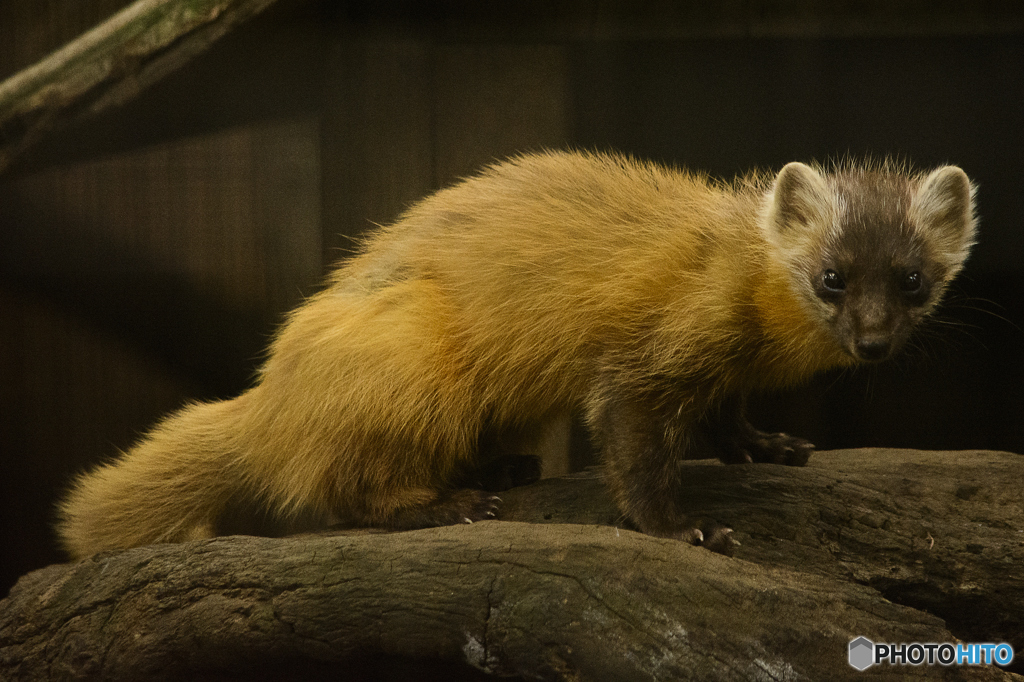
(833, 282)
(911, 283)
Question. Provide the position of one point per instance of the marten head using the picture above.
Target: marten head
(870, 250)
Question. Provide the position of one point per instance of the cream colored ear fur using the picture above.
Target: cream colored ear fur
(944, 206)
(800, 206)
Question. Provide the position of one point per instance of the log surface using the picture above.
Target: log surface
(896, 546)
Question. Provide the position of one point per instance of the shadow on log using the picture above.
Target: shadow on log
(895, 546)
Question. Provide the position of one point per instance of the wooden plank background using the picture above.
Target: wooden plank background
(147, 257)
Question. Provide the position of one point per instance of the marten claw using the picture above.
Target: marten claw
(773, 448)
(464, 507)
(711, 536)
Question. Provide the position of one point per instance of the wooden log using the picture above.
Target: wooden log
(110, 64)
(883, 544)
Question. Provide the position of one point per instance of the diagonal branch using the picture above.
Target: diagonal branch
(110, 64)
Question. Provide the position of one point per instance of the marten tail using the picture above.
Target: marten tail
(170, 487)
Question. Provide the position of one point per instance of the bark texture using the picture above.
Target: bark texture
(897, 546)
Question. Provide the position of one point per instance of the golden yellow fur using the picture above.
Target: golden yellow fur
(544, 284)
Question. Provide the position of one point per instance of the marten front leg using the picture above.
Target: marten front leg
(643, 449)
(737, 441)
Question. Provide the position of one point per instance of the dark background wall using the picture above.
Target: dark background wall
(147, 256)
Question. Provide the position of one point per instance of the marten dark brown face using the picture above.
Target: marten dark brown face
(874, 275)
(874, 248)
(875, 308)
(875, 302)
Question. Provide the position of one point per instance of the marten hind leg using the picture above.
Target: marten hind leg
(737, 441)
(443, 509)
(643, 449)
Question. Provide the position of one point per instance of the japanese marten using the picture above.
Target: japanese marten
(650, 299)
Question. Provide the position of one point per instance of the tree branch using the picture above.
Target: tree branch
(111, 64)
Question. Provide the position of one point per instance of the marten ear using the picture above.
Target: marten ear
(943, 206)
(800, 200)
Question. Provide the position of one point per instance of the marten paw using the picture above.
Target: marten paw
(466, 506)
(772, 448)
(781, 448)
(710, 535)
(477, 506)
(460, 506)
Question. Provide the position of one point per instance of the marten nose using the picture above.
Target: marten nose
(872, 348)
